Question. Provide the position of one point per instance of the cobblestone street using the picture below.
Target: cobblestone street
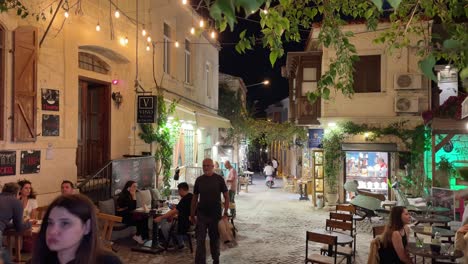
(271, 229)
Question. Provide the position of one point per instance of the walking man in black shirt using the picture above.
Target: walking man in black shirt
(208, 187)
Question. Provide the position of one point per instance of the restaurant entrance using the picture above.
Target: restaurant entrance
(93, 126)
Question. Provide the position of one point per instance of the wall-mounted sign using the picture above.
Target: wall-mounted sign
(147, 109)
(7, 163)
(30, 161)
(50, 125)
(315, 138)
(50, 99)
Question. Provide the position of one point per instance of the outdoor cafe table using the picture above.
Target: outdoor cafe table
(431, 219)
(425, 252)
(151, 246)
(442, 231)
(342, 239)
(428, 209)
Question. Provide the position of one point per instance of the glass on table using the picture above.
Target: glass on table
(419, 242)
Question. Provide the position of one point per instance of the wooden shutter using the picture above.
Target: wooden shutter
(24, 84)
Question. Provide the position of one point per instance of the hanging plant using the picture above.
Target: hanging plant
(164, 134)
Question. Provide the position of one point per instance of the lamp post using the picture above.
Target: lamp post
(265, 82)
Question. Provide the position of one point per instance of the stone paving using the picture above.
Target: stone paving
(271, 227)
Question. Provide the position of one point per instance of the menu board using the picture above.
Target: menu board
(142, 170)
(7, 163)
(30, 161)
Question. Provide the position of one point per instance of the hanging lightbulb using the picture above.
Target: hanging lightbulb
(126, 40)
(98, 27)
(122, 41)
(148, 47)
(265, 11)
(192, 31)
(176, 44)
(66, 15)
(143, 32)
(148, 39)
(202, 23)
(184, 2)
(117, 13)
(213, 34)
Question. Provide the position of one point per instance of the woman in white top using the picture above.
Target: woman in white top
(28, 199)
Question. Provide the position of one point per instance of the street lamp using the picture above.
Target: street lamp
(265, 82)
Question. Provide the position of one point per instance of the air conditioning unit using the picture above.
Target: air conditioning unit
(407, 81)
(405, 104)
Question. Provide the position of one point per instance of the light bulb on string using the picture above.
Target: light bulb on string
(192, 31)
(213, 34)
(148, 47)
(122, 41)
(143, 32)
(98, 27)
(66, 14)
(148, 39)
(117, 13)
(202, 23)
(176, 44)
(265, 11)
(184, 2)
(126, 40)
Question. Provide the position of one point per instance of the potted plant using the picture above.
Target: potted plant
(445, 171)
(332, 163)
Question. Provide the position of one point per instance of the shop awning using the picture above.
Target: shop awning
(206, 119)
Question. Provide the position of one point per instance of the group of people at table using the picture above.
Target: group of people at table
(70, 234)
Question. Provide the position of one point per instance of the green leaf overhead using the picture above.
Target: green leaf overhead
(427, 67)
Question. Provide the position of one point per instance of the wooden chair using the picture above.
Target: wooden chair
(378, 230)
(329, 241)
(341, 217)
(10, 235)
(106, 224)
(348, 252)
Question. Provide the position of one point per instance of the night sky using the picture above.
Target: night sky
(254, 66)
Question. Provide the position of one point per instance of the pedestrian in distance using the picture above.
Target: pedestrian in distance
(206, 212)
(232, 184)
(69, 234)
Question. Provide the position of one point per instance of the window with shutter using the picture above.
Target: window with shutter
(24, 84)
(367, 74)
(2, 82)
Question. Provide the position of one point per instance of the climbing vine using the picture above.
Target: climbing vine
(164, 133)
(417, 141)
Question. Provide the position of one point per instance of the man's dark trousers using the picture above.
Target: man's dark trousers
(204, 223)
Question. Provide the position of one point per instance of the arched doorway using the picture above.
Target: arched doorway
(93, 149)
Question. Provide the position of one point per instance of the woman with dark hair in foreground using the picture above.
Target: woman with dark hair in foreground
(69, 234)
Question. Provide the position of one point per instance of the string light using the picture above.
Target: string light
(122, 41)
(66, 15)
(126, 40)
(192, 31)
(213, 34)
(184, 2)
(148, 39)
(176, 44)
(98, 27)
(117, 13)
(148, 47)
(143, 32)
(265, 11)
(202, 23)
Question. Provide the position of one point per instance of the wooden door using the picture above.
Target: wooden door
(93, 128)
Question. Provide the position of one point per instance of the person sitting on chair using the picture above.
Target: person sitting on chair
(182, 210)
(395, 238)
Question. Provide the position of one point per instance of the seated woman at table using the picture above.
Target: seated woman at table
(126, 204)
(70, 234)
(461, 241)
(28, 199)
(395, 237)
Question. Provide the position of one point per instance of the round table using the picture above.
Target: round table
(425, 252)
(342, 239)
(430, 209)
(431, 219)
(442, 231)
